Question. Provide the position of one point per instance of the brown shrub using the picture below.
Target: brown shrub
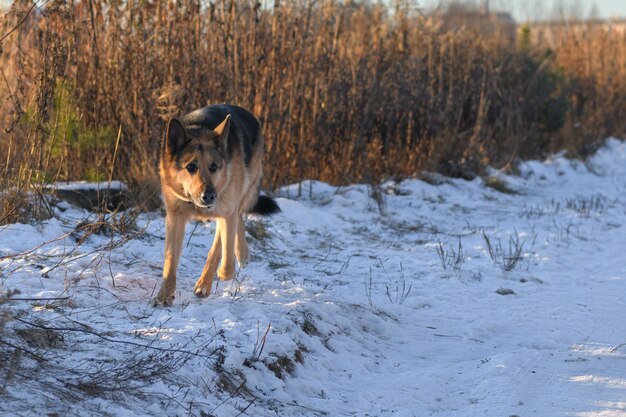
(346, 91)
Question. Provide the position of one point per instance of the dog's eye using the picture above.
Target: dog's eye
(192, 168)
(213, 167)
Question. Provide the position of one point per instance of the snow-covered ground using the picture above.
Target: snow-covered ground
(352, 305)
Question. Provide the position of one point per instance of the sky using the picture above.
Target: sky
(523, 10)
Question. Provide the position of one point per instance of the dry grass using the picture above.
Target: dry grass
(346, 91)
(507, 258)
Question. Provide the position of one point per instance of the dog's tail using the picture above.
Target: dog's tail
(265, 206)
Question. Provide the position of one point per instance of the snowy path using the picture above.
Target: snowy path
(364, 319)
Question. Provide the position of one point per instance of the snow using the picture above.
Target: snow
(84, 185)
(345, 308)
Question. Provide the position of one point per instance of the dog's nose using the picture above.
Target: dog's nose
(208, 197)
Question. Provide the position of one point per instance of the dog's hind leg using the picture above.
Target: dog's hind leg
(228, 228)
(205, 283)
(174, 233)
(241, 246)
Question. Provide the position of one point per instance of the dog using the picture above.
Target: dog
(210, 169)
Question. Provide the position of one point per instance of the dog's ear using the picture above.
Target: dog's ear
(175, 138)
(221, 133)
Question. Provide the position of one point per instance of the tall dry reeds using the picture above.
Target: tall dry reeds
(593, 59)
(346, 91)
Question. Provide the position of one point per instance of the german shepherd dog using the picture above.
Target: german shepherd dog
(210, 168)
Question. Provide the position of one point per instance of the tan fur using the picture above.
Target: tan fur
(237, 188)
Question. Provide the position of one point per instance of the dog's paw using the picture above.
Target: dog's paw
(163, 300)
(165, 297)
(226, 274)
(202, 290)
(203, 287)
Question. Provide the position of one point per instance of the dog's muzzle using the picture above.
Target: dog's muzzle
(208, 197)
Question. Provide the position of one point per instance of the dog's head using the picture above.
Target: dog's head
(193, 163)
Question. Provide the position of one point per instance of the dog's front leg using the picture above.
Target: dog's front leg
(174, 233)
(204, 284)
(228, 229)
